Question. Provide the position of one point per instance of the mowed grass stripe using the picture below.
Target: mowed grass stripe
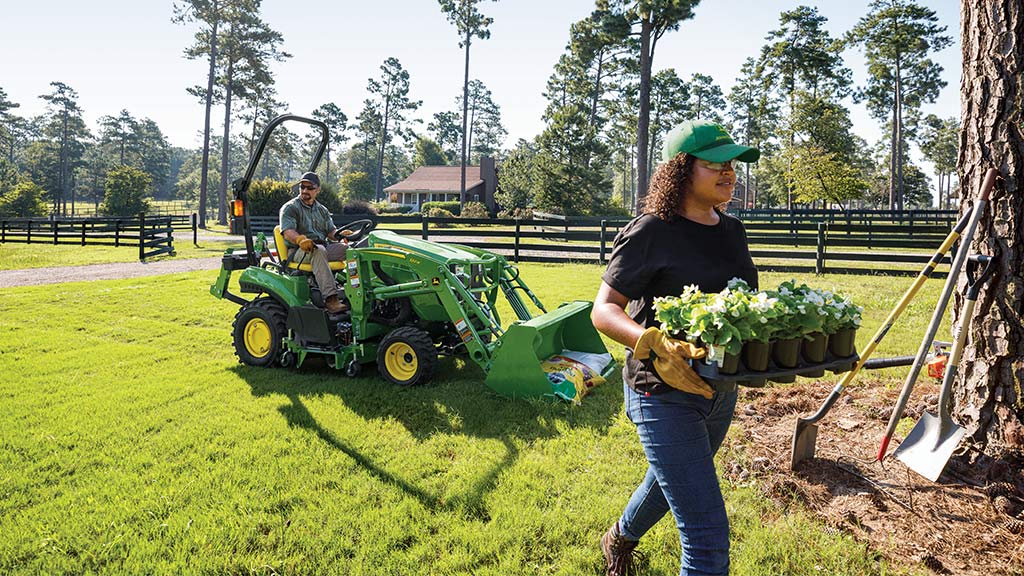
(133, 442)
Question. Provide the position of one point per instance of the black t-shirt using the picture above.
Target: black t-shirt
(654, 258)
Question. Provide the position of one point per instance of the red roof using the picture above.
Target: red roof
(438, 179)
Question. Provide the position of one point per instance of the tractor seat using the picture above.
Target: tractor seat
(282, 253)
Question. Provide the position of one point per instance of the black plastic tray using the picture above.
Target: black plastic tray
(756, 379)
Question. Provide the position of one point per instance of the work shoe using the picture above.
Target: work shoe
(335, 306)
(619, 553)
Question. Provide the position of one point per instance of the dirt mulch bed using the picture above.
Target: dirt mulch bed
(971, 522)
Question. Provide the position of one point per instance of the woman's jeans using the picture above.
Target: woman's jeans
(680, 433)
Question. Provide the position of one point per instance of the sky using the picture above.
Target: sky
(128, 54)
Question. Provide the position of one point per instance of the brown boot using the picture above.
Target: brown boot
(619, 553)
(335, 306)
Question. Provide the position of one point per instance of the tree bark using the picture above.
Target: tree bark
(222, 202)
(465, 110)
(644, 117)
(204, 179)
(989, 391)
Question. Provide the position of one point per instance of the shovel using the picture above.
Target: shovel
(940, 308)
(930, 444)
(806, 433)
(806, 428)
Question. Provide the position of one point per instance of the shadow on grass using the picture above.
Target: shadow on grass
(455, 402)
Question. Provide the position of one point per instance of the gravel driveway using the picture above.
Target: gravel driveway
(113, 271)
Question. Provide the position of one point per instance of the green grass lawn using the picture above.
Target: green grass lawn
(133, 442)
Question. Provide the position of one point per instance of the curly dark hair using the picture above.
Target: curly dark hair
(671, 181)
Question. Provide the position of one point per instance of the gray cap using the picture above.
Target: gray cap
(310, 177)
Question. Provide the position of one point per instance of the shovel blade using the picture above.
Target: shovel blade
(804, 440)
(929, 446)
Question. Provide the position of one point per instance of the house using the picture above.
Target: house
(442, 184)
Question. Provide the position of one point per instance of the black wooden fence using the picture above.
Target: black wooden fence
(885, 248)
(152, 235)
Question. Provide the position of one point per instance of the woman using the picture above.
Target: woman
(680, 239)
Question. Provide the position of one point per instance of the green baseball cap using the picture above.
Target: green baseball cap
(707, 141)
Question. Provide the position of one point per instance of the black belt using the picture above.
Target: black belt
(661, 387)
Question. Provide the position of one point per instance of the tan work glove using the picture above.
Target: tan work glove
(670, 357)
(305, 243)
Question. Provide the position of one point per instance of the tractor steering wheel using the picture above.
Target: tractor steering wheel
(359, 229)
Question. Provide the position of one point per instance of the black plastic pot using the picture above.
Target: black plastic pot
(786, 353)
(756, 355)
(843, 342)
(815, 348)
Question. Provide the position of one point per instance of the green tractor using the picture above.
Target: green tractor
(410, 301)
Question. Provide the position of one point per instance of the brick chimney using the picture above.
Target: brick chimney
(490, 178)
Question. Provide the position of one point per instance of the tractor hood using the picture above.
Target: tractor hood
(440, 253)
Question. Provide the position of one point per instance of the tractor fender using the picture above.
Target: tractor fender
(290, 291)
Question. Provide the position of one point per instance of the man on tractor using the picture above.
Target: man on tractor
(307, 225)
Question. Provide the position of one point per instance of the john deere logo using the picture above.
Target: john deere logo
(435, 281)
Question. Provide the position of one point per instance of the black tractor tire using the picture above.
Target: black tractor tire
(407, 356)
(259, 328)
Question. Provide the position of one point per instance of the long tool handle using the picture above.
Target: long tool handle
(939, 312)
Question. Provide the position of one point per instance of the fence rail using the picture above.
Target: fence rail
(152, 235)
(784, 247)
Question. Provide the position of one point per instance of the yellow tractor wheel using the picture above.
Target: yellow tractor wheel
(259, 328)
(407, 356)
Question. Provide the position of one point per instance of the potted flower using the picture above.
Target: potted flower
(840, 321)
(712, 320)
(760, 313)
(799, 318)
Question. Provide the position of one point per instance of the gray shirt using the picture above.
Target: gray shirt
(314, 221)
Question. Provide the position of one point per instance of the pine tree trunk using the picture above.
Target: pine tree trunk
(989, 391)
(644, 117)
(204, 179)
(465, 110)
(222, 203)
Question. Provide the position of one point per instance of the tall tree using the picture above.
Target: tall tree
(707, 101)
(7, 124)
(337, 126)
(209, 13)
(248, 47)
(118, 131)
(447, 133)
(392, 105)
(938, 141)
(470, 23)
(648, 20)
(801, 62)
(68, 131)
(988, 394)
(754, 115)
(428, 153)
(897, 37)
(670, 104)
(486, 133)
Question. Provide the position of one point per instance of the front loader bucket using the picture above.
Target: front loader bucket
(516, 367)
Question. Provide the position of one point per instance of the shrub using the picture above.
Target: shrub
(517, 213)
(126, 191)
(23, 200)
(266, 196)
(357, 207)
(474, 210)
(386, 208)
(439, 213)
(452, 208)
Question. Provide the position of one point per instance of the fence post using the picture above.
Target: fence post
(28, 228)
(424, 232)
(142, 236)
(53, 226)
(195, 229)
(117, 233)
(819, 261)
(515, 250)
(604, 228)
(3, 231)
(83, 232)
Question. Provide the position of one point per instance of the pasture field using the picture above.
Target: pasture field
(131, 441)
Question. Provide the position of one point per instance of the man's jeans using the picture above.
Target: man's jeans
(680, 433)
(319, 258)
